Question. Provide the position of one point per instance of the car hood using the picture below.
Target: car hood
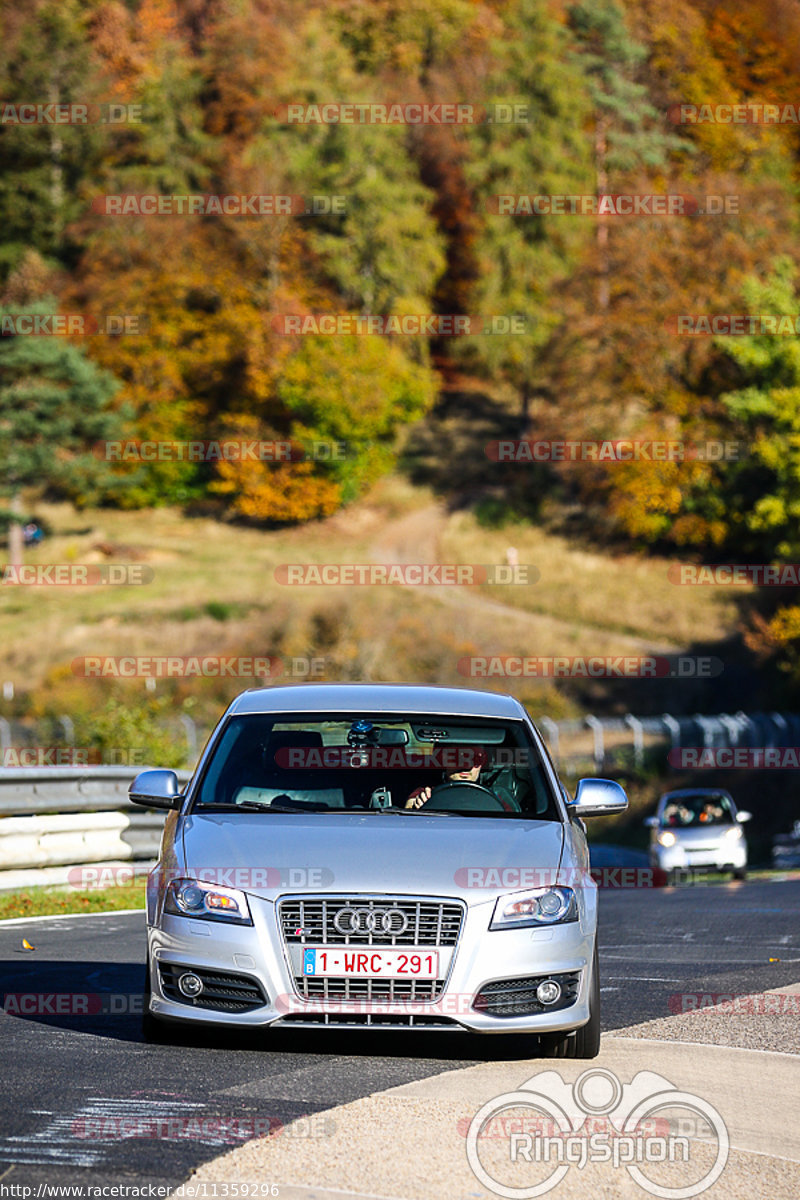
(269, 854)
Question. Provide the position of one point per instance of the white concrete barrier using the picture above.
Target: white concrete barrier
(40, 842)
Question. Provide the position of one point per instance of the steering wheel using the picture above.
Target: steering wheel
(445, 797)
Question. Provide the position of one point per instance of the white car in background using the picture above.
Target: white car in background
(698, 828)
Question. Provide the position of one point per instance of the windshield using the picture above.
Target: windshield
(417, 765)
(697, 810)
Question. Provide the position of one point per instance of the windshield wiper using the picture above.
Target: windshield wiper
(431, 812)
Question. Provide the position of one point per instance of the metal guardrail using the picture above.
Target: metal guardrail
(27, 791)
(54, 819)
(606, 738)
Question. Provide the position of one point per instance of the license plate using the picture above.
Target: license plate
(386, 964)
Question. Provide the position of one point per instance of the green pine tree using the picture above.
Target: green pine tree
(626, 131)
(523, 256)
(54, 407)
(43, 164)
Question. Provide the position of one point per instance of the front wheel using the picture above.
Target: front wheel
(153, 1031)
(740, 873)
(584, 1042)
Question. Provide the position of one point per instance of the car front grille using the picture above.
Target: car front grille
(369, 921)
(517, 997)
(368, 990)
(222, 991)
(310, 920)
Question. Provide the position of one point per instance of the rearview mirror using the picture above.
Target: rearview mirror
(651, 822)
(156, 789)
(598, 798)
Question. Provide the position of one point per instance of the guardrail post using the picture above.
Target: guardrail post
(191, 736)
(674, 728)
(67, 725)
(551, 728)
(599, 749)
(638, 738)
(5, 734)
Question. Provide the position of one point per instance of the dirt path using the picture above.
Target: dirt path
(415, 538)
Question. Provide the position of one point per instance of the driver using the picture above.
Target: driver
(421, 795)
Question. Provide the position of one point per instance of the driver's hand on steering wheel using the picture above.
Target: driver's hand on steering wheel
(418, 798)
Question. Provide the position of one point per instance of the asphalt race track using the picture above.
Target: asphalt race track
(85, 1101)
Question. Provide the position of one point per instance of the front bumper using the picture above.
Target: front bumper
(257, 953)
(727, 855)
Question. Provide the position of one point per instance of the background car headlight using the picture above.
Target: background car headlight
(666, 839)
(206, 902)
(734, 834)
(540, 906)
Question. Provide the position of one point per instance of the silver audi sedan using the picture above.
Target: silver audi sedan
(376, 856)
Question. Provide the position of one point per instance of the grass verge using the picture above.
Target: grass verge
(48, 901)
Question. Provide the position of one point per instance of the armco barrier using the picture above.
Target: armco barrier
(56, 818)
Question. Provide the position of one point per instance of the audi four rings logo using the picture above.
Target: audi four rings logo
(371, 920)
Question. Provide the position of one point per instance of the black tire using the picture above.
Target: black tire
(584, 1042)
(153, 1031)
(740, 873)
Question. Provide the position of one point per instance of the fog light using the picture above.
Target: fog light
(190, 985)
(548, 992)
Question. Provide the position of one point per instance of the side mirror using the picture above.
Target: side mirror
(744, 816)
(156, 789)
(598, 798)
(651, 822)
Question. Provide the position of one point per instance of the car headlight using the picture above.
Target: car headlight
(540, 906)
(666, 839)
(734, 834)
(206, 902)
